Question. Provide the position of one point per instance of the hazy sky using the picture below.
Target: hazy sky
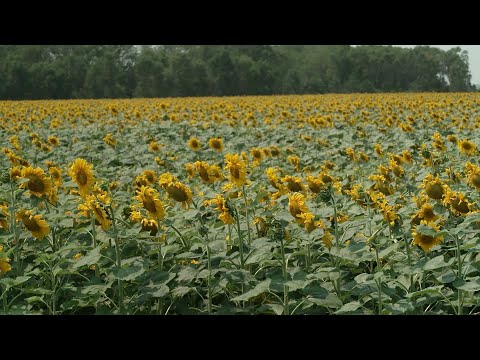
(473, 56)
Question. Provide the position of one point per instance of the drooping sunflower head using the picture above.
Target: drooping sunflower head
(203, 170)
(33, 223)
(237, 168)
(4, 215)
(467, 147)
(93, 206)
(56, 175)
(407, 156)
(473, 172)
(226, 213)
(81, 172)
(180, 192)
(294, 161)
(308, 221)
(257, 155)
(38, 184)
(426, 242)
(194, 144)
(190, 168)
(297, 205)
(426, 213)
(315, 184)
(459, 204)
(110, 140)
(216, 144)
(150, 176)
(272, 174)
(150, 201)
(294, 184)
(166, 179)
(275, 151)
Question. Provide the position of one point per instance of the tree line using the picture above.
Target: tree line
(124, 71)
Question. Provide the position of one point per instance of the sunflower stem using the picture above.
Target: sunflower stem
(209, 280)
(246, 214)
(240, 239)
(94, 237)
(184, 242)
(459, 275)
(286, 310)
(119, 259)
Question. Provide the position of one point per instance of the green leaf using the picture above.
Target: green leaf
(129, 273)
(468, 286)
(9, 282)
(349, 307)
(257, 290)
(425, 230)
(181, 291)
(436, 263)
(91, 258)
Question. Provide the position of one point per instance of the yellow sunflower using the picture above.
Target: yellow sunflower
(424, 241)
(433, 187)
(216, 144)
(297, 206)
(257, 155)
(81, 173)
(237, 168)
(179, 192)
(4, 263)
(53, 140)
(93, 205)
(110, 140)
(426, 213)
(203, 170)
(314, 184)
(150, 176)
(467, 147)
(473, 172)
(226, 214)
(294, 184)
(56, 175)
(34, 223)
(38, 183)
(153, 146)
(458, 202)
(150, 201)
(4, 215)
(194, 144)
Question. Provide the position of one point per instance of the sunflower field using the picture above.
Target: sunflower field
(321, 204)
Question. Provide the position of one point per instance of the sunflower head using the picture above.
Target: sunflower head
(237, 167)
(216, 144)
(433, 187)
(424, 240)
(180, 192)
(297, 206)
(81, 172)
(467, 147)
(34, 223)
(194, 144)
(38, 183)
(148, 197)
(294, 184)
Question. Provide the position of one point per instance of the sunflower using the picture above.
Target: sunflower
(203, 170)
(426, 242)
(327, 239)
(467, 147)
(457, 201)
(53, 140)
(150, 225)
(166, 179)
(433, 187)
(407, 156)
(273, 177)
(473, 172)
(150, 176)
(4, 215)
(149, 198)
(190, 168)
(153, 146)
(389, 214)
(81, 172)
(38, 183)
(314, 184)
(226, 213)
(426, 213)
(34, 223)
(110, 140)
(56, 175)
(179, 192)
(452, 138)
(351, 154)
(307, 219)
(15, 173)
(93, 205)
(216, 144)
(294, 184)
(257, 156)
(274, 150)
(294, 161)
(396, 169)
(194, 144)
(328, 165)
(297, 206)
(4, 263)
(381, 184)
(237, 168)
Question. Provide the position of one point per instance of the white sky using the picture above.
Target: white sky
(473, 56)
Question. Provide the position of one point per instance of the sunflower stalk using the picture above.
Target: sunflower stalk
(209, 278)
(118, 258)
(240, 238)
(244, 191)
(459, 275)
(94, 238)
(286, 310)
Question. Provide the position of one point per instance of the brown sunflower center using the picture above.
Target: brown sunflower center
(426, 240)
(460, 206)
(467, 146)
(434, 191)
(81, 177)
(293, 186)
(315, 188)
(235, 172)
(216, 144)
(150, 178)
(194, 144)
(177, 193)
(203, 173)
(428, 214)
(476, 180)
(35, 184)
(257, 154)
(326, 178)
(31, 224)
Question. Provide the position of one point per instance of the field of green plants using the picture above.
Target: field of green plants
(328, 204)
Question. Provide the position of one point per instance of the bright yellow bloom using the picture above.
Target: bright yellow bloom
(81, 172)
(237, 168)
(216, 144)
(38, 183)
(297, 206)
(150, 201)
(467, 147)
(424, 241)
(194, 144)
(34, 223)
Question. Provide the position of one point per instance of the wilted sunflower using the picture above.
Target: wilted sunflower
(467, 147)
(194, 144)
(81, 172)
(424, 241)
(203, 170)
(38, 183)
(297, 206)
(93, 205)
(237, 169)
(34, 223)
(150, 201)
(458, 202)
(216, 144)
(314, 184)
